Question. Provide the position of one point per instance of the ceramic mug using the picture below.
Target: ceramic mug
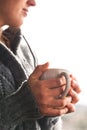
(58, 73)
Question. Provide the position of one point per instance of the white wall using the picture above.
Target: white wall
(57, 31)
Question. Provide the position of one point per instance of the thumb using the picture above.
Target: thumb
(40, 69)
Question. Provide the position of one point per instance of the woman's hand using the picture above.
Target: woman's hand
(73, 93)
(47, 91)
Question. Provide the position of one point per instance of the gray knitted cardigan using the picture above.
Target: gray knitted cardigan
(18, 109)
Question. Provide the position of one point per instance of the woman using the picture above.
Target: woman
(26, 102)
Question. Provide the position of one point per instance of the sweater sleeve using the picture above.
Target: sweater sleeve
(19, 106)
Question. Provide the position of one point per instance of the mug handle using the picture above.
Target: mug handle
(64, 94)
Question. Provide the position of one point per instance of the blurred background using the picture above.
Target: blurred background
(57, 32)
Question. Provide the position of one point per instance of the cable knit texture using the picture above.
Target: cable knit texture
(18, 109)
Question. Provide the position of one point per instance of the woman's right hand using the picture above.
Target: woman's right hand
(46, 93)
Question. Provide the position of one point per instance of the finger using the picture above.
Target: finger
(58, 103)
(71, 107)
(74, 95)
(53, 83)
(39, 70)
(54, 112)
(75, 86)
(56, 92)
